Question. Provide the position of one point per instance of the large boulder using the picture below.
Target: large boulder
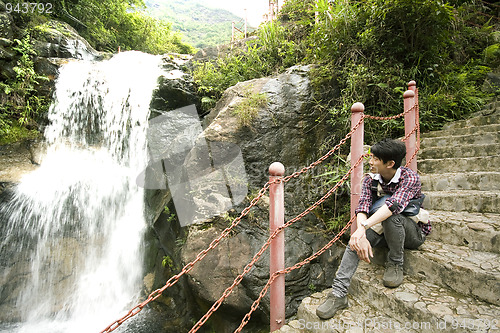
(175, 87)
(284, 129)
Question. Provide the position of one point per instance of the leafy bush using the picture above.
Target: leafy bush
(109, 24)
(270, 53)
(367, 51)
(20, 103)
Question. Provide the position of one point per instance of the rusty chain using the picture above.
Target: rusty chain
(328, 154)
(188, 267)
(256, 257)
(173, 280)
(288, 270)
(391, 117)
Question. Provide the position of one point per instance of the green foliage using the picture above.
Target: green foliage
(171, 216)
(20, 103)
(11, 131)
(492, 55)
(168, 262)
(201, 26)
(369, 50)
(247, 110)
(334, 212)
(109, 24)
(271, 53)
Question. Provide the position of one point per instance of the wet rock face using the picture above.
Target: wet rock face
(175, 91)
(56, 39)
(175, 87)
(284, 129)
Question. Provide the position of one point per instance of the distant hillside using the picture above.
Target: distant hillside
(200, 26)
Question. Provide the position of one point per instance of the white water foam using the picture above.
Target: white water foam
(74, 229)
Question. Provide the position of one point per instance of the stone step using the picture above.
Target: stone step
(487, 119)
(475, 130)
(480, 181)
(465, 164)
(458, 140)
(416, 305)
(475, 150)
(356, 318)
(479, 232)
(463, 200)
(458, 268)
(419, 302)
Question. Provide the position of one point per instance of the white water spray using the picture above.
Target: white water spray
(73, 233)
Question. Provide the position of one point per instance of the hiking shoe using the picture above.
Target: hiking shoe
(329, 308)
(393, 275)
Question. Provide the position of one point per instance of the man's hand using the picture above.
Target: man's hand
(361, 245)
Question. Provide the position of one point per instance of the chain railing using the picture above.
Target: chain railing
(238, 279)
(188, 267)
(288, 270)
(411, 107)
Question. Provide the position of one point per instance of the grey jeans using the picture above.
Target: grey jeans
(400, 232)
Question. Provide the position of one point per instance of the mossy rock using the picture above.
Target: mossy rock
(53, 30)
(58, 39)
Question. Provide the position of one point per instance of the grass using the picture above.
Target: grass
(248, 109)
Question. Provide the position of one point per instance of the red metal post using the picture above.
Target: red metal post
(357, 139)
(412, 85)
(411, 142)
(277, 246)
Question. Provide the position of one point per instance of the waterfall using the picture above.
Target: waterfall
(71, 237)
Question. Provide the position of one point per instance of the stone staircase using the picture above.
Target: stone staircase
(452, 282)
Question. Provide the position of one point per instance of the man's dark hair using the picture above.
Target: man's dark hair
(390, 150)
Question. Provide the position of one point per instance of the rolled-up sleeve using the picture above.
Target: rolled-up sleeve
(365, 199)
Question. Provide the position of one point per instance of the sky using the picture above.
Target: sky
(255, 8)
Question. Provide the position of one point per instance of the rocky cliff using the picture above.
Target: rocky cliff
(283, 129)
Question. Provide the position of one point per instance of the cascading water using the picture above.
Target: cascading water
(72, 234)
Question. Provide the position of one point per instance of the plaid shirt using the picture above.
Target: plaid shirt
(404, 186)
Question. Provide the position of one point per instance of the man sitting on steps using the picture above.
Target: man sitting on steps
(387, 220)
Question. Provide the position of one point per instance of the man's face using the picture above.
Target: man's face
(376, 164)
